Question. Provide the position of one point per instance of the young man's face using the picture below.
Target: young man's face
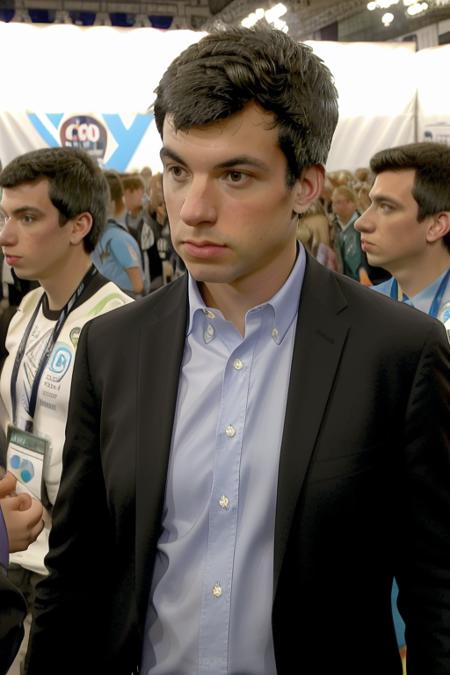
(33, 241)
(229, 206)
(391, 235)
(134, 199)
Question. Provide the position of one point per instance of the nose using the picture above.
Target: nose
(199, 205)
(364, 222)
(8, 231)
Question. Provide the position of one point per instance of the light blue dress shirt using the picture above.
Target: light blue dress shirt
(211, 599)
(424, 299)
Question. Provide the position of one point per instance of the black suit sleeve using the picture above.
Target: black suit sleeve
(424, 573)
(12, 613)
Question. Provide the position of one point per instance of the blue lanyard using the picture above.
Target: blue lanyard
(47, 351)
(435, 305)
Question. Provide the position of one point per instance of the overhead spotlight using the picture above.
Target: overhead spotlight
(271, 15)
(275, 12)
(387, 19)
(417, 8)
(253, 18)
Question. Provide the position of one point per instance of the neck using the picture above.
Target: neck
(60, 287)
(135, 212)
(415, 278)
(234, 300)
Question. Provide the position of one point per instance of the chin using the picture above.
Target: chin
(23, 274)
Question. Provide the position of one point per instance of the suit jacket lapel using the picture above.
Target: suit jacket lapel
(320, 337)
(161, 351)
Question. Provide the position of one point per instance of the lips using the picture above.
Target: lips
(12, 260)
(203, 249)
(366, 245)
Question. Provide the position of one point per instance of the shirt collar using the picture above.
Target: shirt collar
(284, 304)
(345, 226)
(427, 294)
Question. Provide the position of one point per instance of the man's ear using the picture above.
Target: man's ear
(81, 226)
(439, 226)
(308, 187)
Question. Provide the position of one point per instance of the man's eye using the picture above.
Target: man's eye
(236, 176)
(176, 171)
(27, 219)
(386, 208)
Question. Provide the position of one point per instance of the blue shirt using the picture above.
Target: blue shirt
(211, 597)
(424, 299)
(115, 252)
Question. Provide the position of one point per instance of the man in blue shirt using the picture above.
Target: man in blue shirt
(406, 229)
(239, 442)
(117, 255)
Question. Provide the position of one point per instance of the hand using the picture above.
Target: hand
(23, 518)
(7, 485)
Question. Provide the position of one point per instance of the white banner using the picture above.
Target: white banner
(433, 67)
(91, 87)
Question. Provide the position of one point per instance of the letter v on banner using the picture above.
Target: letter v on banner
(127, 139)
(78, 131)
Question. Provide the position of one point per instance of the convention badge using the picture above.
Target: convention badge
(25, 458)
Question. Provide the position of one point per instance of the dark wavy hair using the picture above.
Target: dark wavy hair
(431, 164)
(224, 71)
(75, 184)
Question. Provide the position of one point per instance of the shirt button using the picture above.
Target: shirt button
(274, 333)
(237, 364)
(230, 431)
(224, 502)
(209, 333)
(217, 590)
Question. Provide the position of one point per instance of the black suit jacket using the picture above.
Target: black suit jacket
(363, 487)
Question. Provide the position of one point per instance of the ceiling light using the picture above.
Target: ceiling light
(275, 12)
(387, 19)
(417, 8)
(253, 18)
(271, 15)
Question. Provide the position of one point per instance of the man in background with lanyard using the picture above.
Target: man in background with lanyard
(53, 210)
(406, 230)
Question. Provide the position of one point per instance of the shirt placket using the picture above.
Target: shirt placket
(223, 512)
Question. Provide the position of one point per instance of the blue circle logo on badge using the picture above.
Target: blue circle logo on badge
(60, 362)
(23, 468)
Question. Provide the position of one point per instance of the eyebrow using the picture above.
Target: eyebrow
(240, 160)
(22, 209)
(384, 198)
